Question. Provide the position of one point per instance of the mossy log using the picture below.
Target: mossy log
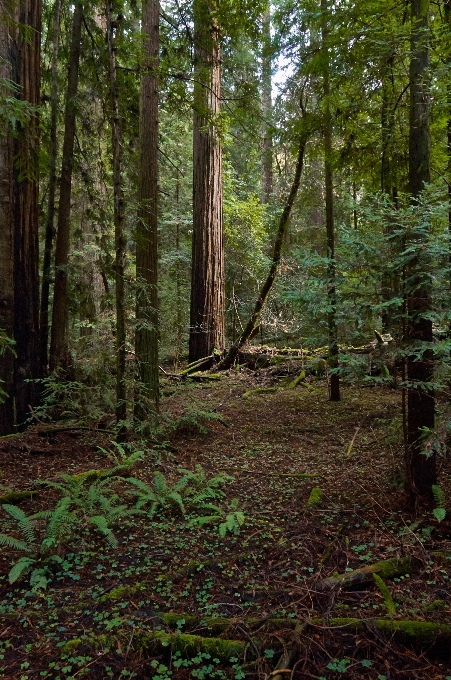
(363, 577)
(200, 365)
(190, 645)
(16, 497)
(315, 499)
(103, 473)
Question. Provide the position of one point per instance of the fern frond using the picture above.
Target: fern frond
(22, 566)
(14, 543)
(25, 524)
(100, 522)
(439, 497)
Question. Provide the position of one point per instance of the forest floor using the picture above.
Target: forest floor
(103, 612)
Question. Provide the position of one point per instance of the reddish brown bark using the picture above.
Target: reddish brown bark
(59, 347)
(207, 325)
(421, 470)
(146, 336)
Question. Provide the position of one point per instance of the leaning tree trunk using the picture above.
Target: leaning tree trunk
(119, 237)
(59, 345)
(207, 325)
(421, 469)
(146, 336)
(334, 385)
(6, 252)
(277, 254)
(267, 155)
(50, 226)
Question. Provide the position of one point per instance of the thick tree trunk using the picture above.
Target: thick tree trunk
(26, 59)
(421, 469)
(146, 337)
(119, 237)
(267, 172)
(50, 226)
(448, 131)
(59, 345)
(207, 325)
(6, 252)
(277, 254)
(334, 384)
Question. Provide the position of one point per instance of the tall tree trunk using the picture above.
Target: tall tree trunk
(277, 254)
(59, 345)
(421, 470)
(119, 237)
(207, 310)
(334, 385)
(50, 226)
(448, 127)
(267, 172)
(26, 57)
(146, 338)
(6, 250)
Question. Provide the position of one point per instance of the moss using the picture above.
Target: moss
(386, 569)
(315, 499)
(16, 497)
(122, 592)
(391, 609)
(72, 645)
(192, 644)
(102, 473)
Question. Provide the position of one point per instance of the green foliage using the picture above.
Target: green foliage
(229, 519)
(439, 511)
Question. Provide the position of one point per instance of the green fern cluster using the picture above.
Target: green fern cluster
(191, 495)
(439, 511)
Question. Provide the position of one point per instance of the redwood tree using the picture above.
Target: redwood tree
(146, 336)
(59, 347)
(207, 326)
(421, 469)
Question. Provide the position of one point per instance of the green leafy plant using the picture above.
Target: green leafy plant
(160, 495)
(94, 506)
(439, 511)
(230, 519)
(123, 455)
(37, 549)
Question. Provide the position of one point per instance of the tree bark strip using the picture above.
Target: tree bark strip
(267, 147)
(146, 337)
(26, 60)
(207, 309)
(59, 346)
(50, 224)
(334, 382)
(119, 237)
(421, 470)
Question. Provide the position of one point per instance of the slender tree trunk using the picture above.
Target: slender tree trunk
(448, 127)
(267, 179)
(50, 224)
(207, 311)
(59, 345)
(421, 470)
(6, 250)
(277, 254)
(119, 237)
(146, 338)
(334, 385)
(26, 58)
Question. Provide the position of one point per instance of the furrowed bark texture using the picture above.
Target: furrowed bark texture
(59, 347)
(119, 239)
(26, 60)
(421, 470)
(207, 325)
(277, 254)
(334, 384)
(6, 251)
(267, 179)
(146, 338)
(50, 226)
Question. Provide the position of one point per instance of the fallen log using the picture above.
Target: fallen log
(16, 497)
(363, 577)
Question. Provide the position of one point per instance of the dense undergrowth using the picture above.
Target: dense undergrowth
(218, 571)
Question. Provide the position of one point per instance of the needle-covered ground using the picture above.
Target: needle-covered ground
(243, 603)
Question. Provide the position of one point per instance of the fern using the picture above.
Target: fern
(439, 511)
(232, 518)
(25, 523)
(21, 567)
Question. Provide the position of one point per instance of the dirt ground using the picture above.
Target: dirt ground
(102, 614)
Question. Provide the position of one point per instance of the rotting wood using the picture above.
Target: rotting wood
(16, 497)
(363, 577)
